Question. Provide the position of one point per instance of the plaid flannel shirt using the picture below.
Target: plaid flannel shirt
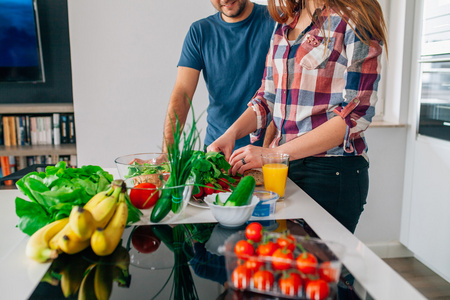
(309, 82)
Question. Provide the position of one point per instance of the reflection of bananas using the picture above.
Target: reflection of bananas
(81, 222)
(72, 274)
(38, 245)
(104, 241)
(87, 288)
(103, 281)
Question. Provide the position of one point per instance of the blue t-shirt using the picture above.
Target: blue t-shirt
(232, 57)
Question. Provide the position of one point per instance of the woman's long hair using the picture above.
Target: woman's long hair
(367, 15)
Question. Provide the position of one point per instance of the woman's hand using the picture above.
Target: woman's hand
(246, 158)
(224, 144)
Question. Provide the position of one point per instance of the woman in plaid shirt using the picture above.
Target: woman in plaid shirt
(319, 89)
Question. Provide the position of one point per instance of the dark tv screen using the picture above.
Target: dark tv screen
(20, 48)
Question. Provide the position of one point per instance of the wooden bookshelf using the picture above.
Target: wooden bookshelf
(37, 150)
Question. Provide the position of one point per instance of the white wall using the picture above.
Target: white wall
(124, 57)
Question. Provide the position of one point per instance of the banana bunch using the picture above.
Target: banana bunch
(99, 223)
(92, 277)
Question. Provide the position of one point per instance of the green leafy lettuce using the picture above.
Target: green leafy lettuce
(54, 192)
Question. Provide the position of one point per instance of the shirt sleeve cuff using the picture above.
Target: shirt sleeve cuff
(263, 118)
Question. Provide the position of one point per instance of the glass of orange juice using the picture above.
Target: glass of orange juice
(275, 170)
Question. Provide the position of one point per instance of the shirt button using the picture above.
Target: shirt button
(337, 173)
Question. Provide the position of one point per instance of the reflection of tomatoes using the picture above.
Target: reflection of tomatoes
(306, 263)
(263, 280)
(244, 249)
(144, 240)
(290, 284)
(144, 195)
(253, 232)
(282, 259)
(327, 272)
(317, 289)
(287, 241)
(266, 249)
(241, 277)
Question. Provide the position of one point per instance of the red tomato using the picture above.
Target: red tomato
(266, 249)
(209, 189)
(290, 284)
(241, 277)
(253, 263)
(243, 249)
(317, 289)
(286, 241)
(200, 193)
(144, 195)
(327, 272)
(306, 263)
(253, 232)
(263, 280)
(144, 240)
(223, 183)
(282, 259)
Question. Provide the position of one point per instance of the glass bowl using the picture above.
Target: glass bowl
(147, 167)
(180, 197)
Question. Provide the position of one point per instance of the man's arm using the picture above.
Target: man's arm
(185, 86)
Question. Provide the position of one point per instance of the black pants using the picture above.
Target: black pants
(339, 184)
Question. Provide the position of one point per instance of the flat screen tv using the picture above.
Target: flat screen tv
(20, 45)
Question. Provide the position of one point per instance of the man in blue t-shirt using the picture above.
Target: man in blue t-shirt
(230, 48)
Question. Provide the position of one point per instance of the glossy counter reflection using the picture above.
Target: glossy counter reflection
(155, 262)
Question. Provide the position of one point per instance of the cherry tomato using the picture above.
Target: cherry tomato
(253, 232)
(209, 189)
(144, 195)
(223, 183)
(243, 249)
(317, 289)
(327, 272)
(200, 192)
(253, 263)
(290, 284)
(241, 277)
(282, 259)
(144, 240)
(266, 249)
(287, 241)
(263, 280)
(306, 263)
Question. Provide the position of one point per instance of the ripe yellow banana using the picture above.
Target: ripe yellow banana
(87, 291)
(104, 241)
(71, 244)
(82, 222)
(105, 209)
(103, 281)
(97, 198)
(38, 245)
(53, 243)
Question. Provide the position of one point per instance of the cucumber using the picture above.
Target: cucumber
(242, 194)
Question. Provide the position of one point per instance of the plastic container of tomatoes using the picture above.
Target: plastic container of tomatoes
(283, 265)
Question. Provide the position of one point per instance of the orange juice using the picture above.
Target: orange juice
(275, 175)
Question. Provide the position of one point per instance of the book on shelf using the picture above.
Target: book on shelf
(71, 128)
(6, 131)
(2, 141)
(56, 129)
(6, 168)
